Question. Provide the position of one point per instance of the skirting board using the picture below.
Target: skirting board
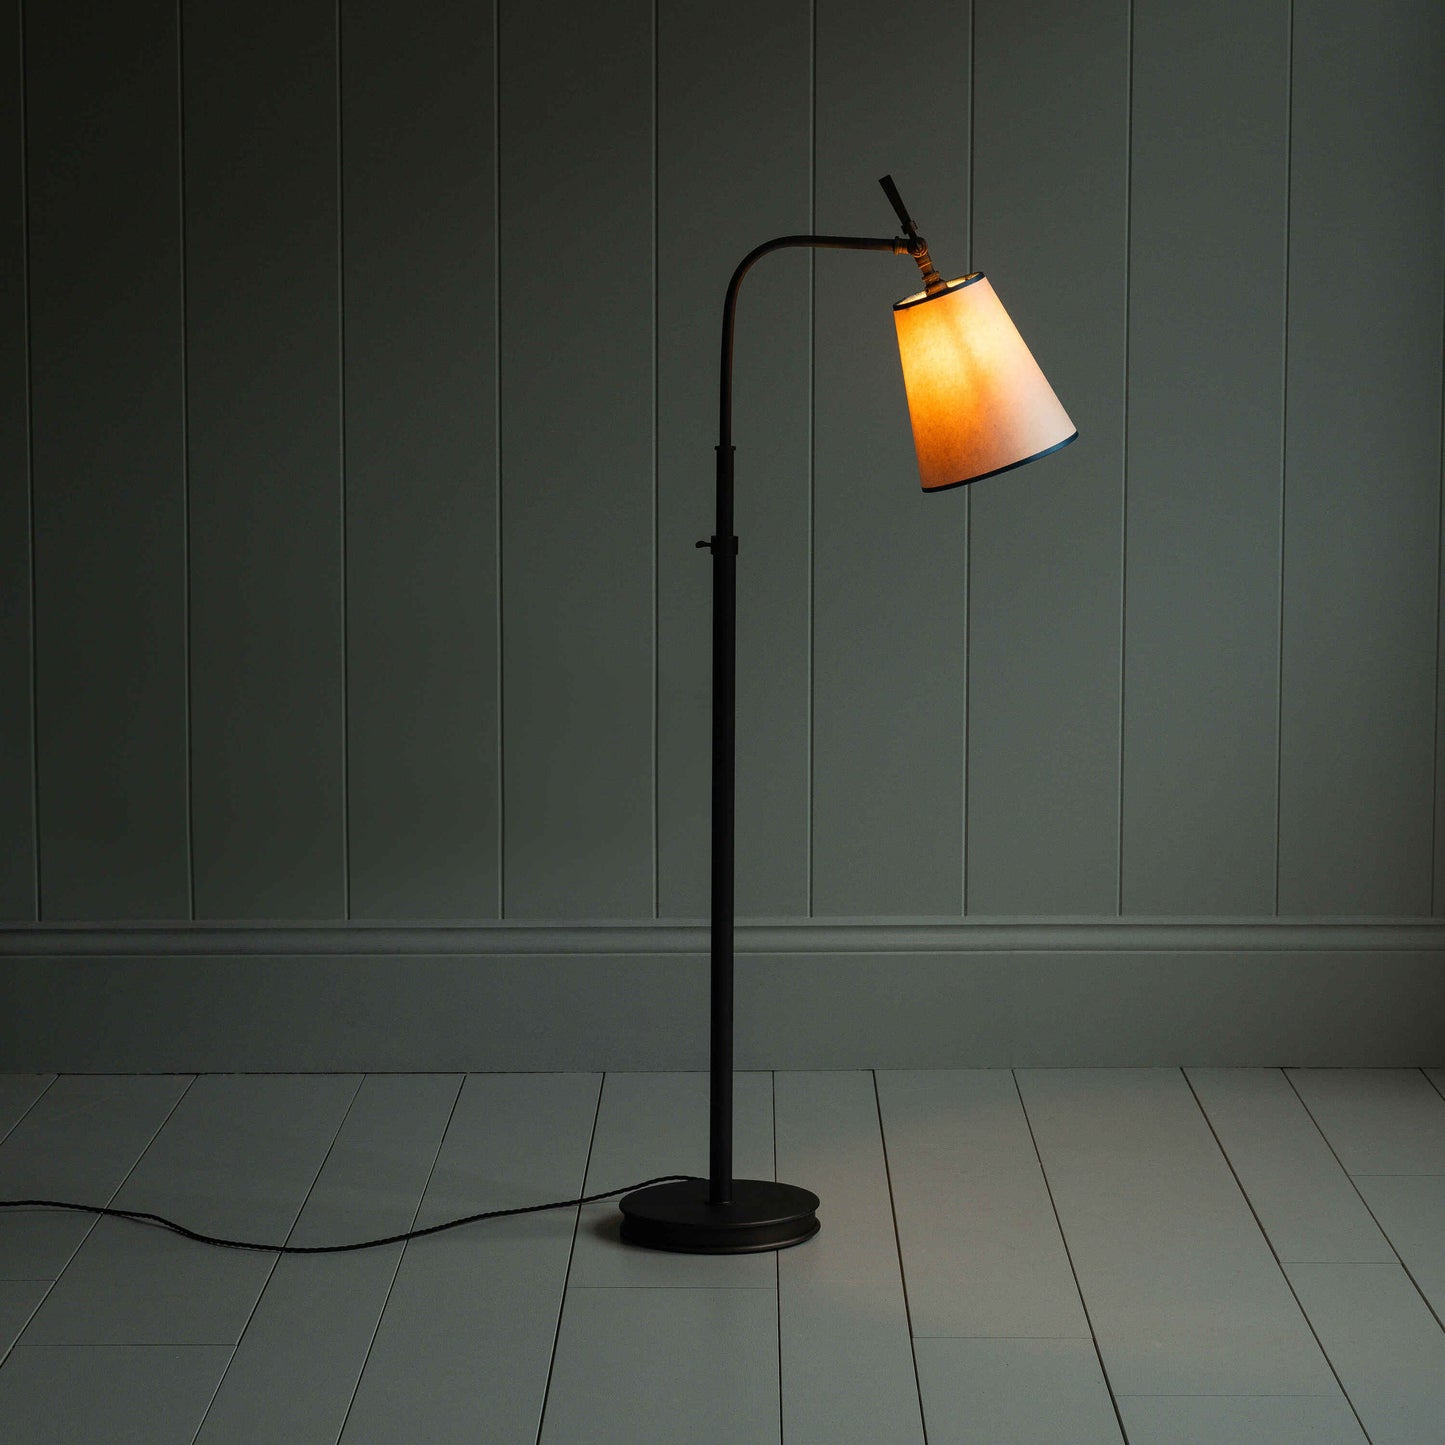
(810, 995)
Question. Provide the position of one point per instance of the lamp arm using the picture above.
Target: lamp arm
(896, 245)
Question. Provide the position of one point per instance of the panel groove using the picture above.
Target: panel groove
(656, 387)
(501, 554)
(341, 491)
(1124, 438)
(971, 207)
(1283, 447)
(1069, 1255)
(185, 463)
(812, 443)
(1436, 860)
(29, 461)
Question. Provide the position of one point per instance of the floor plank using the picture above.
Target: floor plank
(102, 1395)
(1386, 1346)
(78, 1143)
(1015, 1392)
(1379, 1121)
(296, 1368)
(1411, 1211)
(846, 1361)
(652, 1124)
(982, 1253)
(1247, 1420)
(634, 1365)
(1183, 1292)
(18, 1093)
(236, 1159)
(465, 1338)
(1305, 1202)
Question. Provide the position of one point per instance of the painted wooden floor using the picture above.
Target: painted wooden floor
(1055, 1256)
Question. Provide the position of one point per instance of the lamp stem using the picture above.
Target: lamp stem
(724, 760)
(724, 547)
(720, 1214)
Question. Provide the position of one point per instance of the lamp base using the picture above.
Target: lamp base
(678, 1217)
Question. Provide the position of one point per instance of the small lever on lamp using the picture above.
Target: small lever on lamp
(933, 283)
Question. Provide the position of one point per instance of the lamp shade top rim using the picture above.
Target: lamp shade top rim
(919, 297)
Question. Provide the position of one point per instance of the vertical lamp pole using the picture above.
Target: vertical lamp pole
(720, 1214)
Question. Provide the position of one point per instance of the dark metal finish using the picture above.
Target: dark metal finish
(681, 1217)
(720, 1215)
(724, 547)
(896, 201)
(933, 283)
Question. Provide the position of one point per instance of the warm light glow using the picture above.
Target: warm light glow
(978, 401)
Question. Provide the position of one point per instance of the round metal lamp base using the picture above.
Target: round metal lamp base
(677, 1216)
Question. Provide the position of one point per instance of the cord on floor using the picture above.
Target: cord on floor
(140, 1217)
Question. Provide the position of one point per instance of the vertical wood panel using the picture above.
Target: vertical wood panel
(19, 890)
(735, 147)
(1363, 462)
(576, 232)
(267, 673)
(1050, 228)
(418, 153)
(109, 491)
(1206, 332)
(888, 562)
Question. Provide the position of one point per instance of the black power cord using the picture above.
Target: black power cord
(141, 1217)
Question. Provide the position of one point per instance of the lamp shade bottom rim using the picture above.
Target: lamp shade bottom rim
(761, 1215)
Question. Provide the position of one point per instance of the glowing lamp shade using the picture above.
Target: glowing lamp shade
(977, 399)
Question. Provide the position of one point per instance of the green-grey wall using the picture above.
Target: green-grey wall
(357, 387)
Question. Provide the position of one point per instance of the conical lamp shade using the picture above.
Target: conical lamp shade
(978, 401)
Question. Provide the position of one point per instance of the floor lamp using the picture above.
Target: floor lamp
(979, 406)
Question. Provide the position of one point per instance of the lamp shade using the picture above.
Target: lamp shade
(977, 399)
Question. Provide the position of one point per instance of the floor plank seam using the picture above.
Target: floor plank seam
(1269, 1243)
(28, 1109)
(898, 1246)
(1384, 1233)
(275, 1263)
(571, 1254)
(95, 1220)
(1069, 1255)
(400, 1256)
